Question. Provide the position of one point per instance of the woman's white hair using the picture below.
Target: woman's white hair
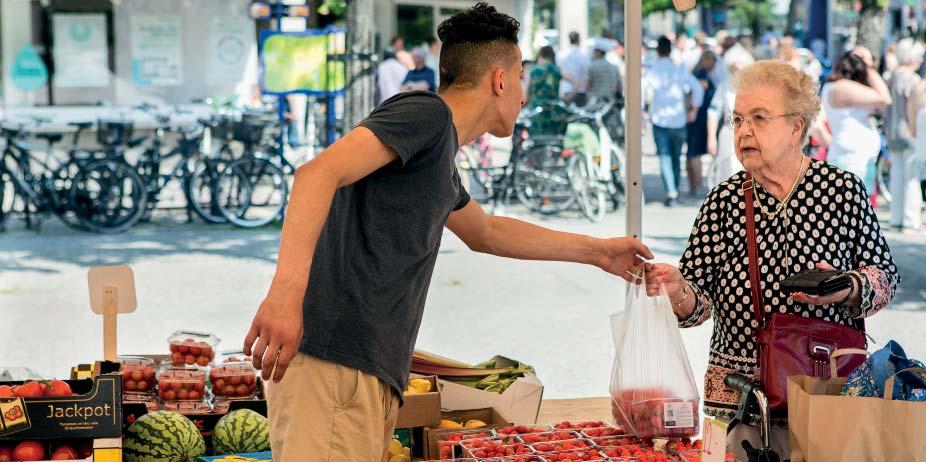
(800, 89)
(908, 51)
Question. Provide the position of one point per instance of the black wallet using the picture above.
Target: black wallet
(816, 282)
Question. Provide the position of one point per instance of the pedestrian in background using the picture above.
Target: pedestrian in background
(720, 133)
(421, 77)
(574, 67)
(854, 93)
(604, 81)
(389, 77)
(697, 129)
(905, 189)
(674, 96)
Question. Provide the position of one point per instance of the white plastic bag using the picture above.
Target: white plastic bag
(653, 391)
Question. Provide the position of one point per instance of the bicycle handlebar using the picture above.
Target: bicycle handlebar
(737, 382)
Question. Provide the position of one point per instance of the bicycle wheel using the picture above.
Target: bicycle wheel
(541, 180)
(7, 195)
(616, 189)
(60, 188)
(108, 196)
(252, 192)
(201, 190)
(589, 191)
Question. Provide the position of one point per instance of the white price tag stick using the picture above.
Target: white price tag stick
(715, 441)
(112, 291)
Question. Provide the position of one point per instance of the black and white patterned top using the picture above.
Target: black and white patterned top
(828, 219)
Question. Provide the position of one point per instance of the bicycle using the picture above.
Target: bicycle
(541, 176)
(196, 174)
(79, 191)
(597, 178)
(256, 184)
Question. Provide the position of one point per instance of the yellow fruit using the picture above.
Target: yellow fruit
(449, 424)
(400, 458)
(422, 385)
(474, 424)
(407, 452)
(411, 391)
(395, 447)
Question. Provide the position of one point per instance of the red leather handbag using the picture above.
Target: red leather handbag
(792, 344)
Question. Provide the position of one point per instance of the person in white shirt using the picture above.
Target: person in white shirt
(574, 67)
(674, 96)
(389, 77)
(432, 58)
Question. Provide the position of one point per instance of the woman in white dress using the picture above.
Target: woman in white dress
(720, 143)
(855, 92)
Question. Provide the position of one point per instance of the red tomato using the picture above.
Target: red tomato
(28, 451)
(6, 454)
(65, 452)
(29, 390)
(202, 361)
(58, 388)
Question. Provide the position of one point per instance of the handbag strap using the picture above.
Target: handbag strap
(758, 303)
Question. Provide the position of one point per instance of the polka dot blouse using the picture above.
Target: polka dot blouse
(828, 219)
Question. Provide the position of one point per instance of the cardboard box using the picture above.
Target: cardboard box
(250, 456)
(492, 417)
(520, 402)
(421, 410)
(95, 412)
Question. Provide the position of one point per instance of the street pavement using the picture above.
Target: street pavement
(554, 316)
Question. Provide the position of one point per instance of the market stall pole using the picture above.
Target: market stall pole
(633, 37)
(112, 291)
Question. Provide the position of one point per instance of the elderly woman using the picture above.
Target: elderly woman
(808, 215)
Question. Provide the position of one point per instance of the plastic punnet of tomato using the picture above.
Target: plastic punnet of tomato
(181, 383)
(233, 378)
(139, 375)
(192, 348)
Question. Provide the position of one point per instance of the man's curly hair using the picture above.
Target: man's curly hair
(473, 41)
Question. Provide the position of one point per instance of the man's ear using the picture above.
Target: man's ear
(498, 81)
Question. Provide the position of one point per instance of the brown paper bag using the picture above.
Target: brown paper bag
(826, 427)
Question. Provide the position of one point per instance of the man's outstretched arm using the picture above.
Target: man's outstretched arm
(507, 237)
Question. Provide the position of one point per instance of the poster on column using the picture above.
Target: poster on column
(80, 51)
(231, 42)
(157, 50)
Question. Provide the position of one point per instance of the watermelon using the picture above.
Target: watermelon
(163, 436)
(241, 431)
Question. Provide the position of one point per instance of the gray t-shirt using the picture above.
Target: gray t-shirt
(603, 78)
(896, 125)
(372, 266)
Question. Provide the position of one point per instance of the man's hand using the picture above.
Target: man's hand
(620, 256)
(277, 329)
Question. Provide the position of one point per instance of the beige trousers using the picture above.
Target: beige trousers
(326, 412)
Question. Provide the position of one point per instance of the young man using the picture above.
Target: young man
(360, 240)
